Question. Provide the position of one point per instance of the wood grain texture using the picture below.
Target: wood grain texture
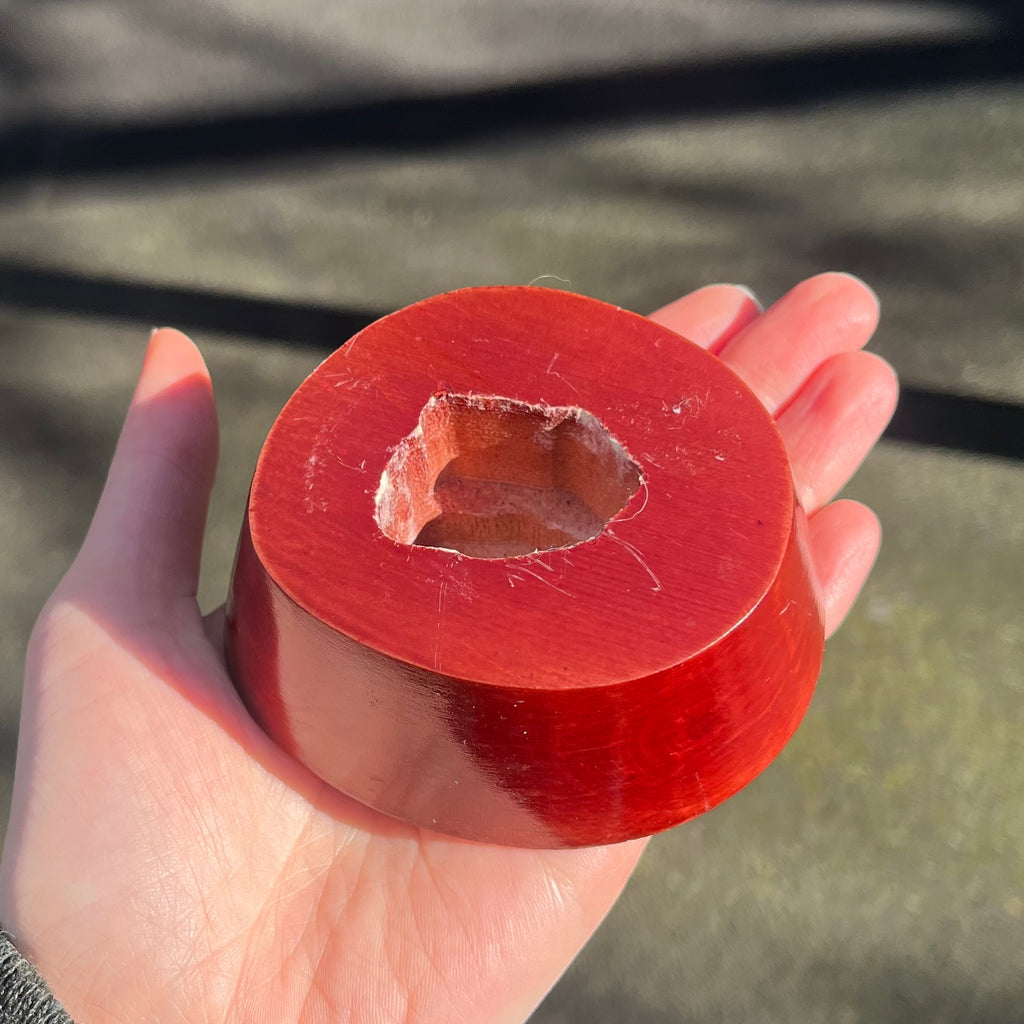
(578, 695)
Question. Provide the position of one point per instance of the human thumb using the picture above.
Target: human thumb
(145, 540)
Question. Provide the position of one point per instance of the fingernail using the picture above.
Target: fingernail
(750, 295)
(150, 348)
(160, 365)
(858, 280)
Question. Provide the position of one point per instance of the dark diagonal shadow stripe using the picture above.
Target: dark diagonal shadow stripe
(926, 417)
(71, 148)
(941, 419)
(151, 305)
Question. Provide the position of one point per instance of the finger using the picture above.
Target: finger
(819, 318)
(711, 315)
(844, 539)
(146, 536)
(833, 422)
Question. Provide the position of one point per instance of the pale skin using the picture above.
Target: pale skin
(165, 862)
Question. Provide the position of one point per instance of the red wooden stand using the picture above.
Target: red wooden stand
(523, 567)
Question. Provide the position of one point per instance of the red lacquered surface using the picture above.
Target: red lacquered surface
(573, 696)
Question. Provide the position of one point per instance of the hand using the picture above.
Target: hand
(164, 861)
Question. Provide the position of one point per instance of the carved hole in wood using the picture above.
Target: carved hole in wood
(492, 477)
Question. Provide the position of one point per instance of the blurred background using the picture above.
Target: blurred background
(271, 176)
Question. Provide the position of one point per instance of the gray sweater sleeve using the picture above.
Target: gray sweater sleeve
(24, 997)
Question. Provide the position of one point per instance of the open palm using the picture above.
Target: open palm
(164, 861)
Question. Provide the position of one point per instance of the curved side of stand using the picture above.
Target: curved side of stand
(528, 766)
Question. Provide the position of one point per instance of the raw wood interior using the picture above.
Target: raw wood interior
(491, 477)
